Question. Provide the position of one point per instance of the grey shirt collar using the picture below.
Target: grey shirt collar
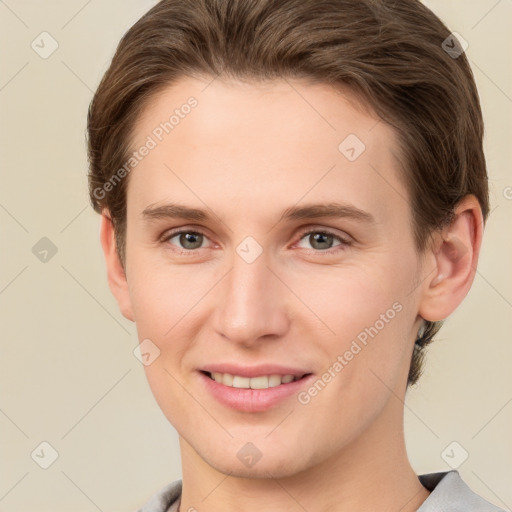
(449, 493)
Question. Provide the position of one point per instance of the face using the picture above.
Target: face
(269, 234)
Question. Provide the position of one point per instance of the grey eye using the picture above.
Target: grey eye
(189, 239)
(321, 240)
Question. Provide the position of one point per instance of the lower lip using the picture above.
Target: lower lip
(253, 400)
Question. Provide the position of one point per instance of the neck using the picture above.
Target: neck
(371, 473)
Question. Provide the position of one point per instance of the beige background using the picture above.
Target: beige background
(67, 369)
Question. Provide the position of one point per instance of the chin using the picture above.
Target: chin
(261, 470)
(268, 463)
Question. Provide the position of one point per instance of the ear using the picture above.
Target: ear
(452, 261)
(115, 272)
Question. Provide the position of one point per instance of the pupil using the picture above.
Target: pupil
(190, 238)
(320, 238)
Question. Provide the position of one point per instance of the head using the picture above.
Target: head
(246, 110)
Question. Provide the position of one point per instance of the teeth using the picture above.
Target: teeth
(241, 382)
(274, 380)
(226, 379)
(260, 382)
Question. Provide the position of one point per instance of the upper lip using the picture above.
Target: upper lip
(254, 371)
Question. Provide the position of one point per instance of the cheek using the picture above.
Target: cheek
(364, 363)
(366, 316)
(161, 295)
(350, 299)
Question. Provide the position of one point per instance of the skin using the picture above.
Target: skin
(246, 153)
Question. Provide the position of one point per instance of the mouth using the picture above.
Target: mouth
(257, 390)
(256, 382)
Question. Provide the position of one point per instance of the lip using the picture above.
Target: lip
(254, 371)
(254, 400)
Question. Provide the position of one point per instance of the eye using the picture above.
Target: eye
(322, 240)
(188, 240)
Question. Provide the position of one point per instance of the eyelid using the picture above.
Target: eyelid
(344, 240)
(178, 231)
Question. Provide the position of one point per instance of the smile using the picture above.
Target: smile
(258, 382)
(257, 393)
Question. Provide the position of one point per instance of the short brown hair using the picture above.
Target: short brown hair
(389, 52)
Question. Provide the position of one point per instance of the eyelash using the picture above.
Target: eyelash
(344, 242)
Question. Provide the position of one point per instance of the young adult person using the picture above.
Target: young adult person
(292, 199)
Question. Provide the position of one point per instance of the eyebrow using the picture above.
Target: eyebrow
(174, 211)
(309, 211)
(335, 210)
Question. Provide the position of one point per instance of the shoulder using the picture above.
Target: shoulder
(449, 493)
(163, 498)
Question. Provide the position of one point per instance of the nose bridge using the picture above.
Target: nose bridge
(251, 305)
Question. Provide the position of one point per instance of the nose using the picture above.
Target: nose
(252, 304)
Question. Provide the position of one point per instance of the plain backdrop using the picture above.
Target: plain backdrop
(68, 375)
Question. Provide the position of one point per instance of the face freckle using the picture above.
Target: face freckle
(251, 168)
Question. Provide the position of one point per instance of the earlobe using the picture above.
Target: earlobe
(455, 256)
(116, 275)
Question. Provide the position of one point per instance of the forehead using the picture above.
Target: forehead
(273, 142)
(269, 105)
